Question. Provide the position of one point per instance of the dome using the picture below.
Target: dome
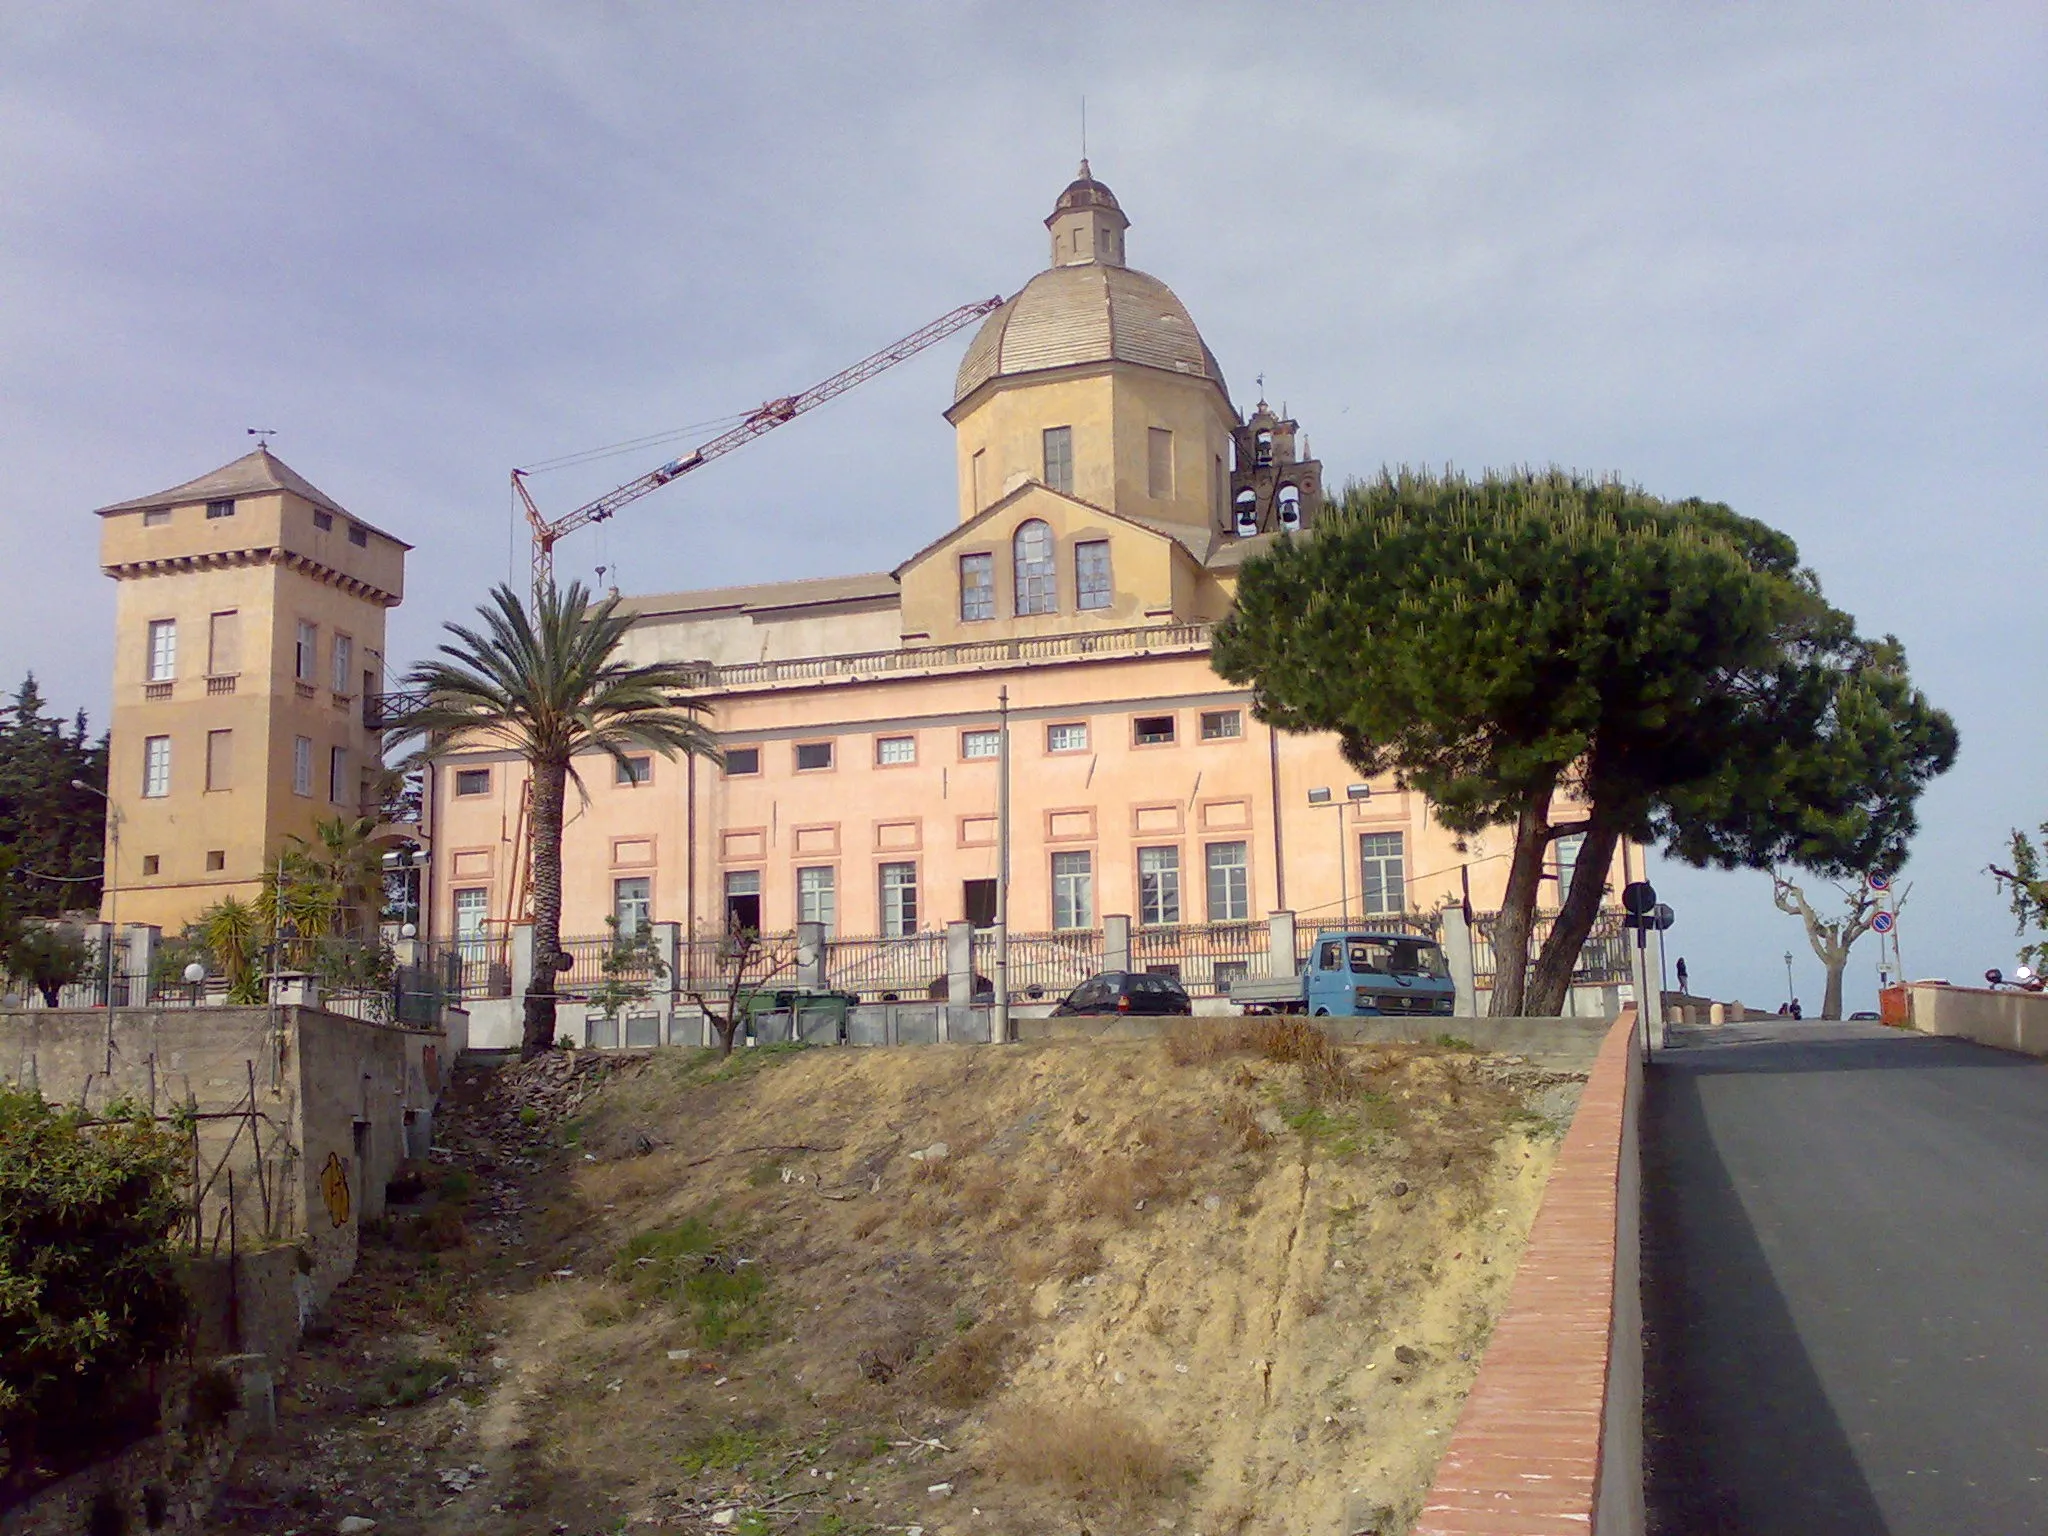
(1084, 191)
(1089, 313)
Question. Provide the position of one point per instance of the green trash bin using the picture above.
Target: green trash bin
(811, 1015)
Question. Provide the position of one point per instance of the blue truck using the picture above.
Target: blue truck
(1358, 973)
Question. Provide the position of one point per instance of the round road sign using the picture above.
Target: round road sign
(1882, 923)
(1880, 881)
(1638, 897)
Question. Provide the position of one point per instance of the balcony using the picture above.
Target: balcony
(225, 683)
(342, 701)
(155, 693)
(305, 691)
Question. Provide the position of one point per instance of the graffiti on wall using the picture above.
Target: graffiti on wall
(334, 1189)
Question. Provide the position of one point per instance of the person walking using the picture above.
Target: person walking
(1683, 987)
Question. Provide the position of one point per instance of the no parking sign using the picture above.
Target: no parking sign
(1882, 923)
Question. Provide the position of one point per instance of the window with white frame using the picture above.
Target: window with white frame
(812, 756)
(977, 587)
(894, 751)
(472, 781)
(899, 900)
(344, 662)
(163, 650)
(307, 650)
(1059, 458)
(1067, 738)
(981, 744)
(1222, 724)
(743, 900)
(472, 911)
(1037, 585)
(817, 896)
(1568, 862)
(1091, 574)
(633, 770)
(1229, 869)
(1073, 890)
(632, 904)
(156, 767)
(1158, 886)
(302, 765)
(1382, 872)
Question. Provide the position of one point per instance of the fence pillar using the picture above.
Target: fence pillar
(960, 998)
(810, 954)
(1280, 945)
(1458, 952)
(140, 960)
(522, 963)
(1116, 943)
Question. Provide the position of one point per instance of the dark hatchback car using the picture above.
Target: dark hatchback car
(1125, 992)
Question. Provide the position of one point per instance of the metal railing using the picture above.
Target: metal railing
(1604, 958)
(1204, 957)
(476, 966)
(1044, 967)
(886, 970)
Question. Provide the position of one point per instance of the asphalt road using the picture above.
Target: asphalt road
(1845, 1251)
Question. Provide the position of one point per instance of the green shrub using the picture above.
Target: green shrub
(89, 1299)
(702, 1275)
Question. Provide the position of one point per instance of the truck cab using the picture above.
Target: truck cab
(1355, 973)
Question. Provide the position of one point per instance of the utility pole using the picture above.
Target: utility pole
(999, 1018)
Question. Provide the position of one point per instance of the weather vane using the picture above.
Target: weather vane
(263, 435)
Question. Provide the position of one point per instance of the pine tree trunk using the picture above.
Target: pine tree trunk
(1518, 907)
(550, 781)
(1831, 1004)
(1551, 978)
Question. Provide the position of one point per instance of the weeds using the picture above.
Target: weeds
(699, 1273)
(723, 1450)
(405, 1383)
(1083, 1451)
(965, 1369)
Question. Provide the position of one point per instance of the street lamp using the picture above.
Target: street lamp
(1788, 978)
(1354, 794)
(110, 882)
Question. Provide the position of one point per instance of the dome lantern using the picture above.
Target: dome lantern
(1087, 224)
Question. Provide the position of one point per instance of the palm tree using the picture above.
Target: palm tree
(551, 687)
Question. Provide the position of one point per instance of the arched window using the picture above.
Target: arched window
(1265, 449)
(1247, 512)
(1290, 507)
(1031, 551)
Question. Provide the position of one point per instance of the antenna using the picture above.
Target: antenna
(1084, 127)
(263, 435)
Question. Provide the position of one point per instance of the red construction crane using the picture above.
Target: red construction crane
(764, 418)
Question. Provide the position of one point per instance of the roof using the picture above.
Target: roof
(253, 474)
(868, 586)
(1084, 191)
(1091, 312)
(1179, 534)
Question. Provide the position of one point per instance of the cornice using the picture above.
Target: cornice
(229, 559)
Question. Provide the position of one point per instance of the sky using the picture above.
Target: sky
(1787, 256)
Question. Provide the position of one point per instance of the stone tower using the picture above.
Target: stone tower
(1274, 488)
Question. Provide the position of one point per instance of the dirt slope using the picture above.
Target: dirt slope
(1222, 1284)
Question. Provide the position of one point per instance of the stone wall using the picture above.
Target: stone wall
(2010, 1020)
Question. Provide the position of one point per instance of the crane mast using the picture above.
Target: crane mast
(764, 418)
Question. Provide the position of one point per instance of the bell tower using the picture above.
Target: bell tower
(1273, 489)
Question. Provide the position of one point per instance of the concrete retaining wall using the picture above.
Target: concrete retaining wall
(1551, 1436)
(1566, 1045)
(2012, 1021)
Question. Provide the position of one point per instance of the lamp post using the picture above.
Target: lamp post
(1354, 794)
(110, 883)
(1788, 978)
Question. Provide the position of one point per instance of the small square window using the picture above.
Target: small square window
(216, 860)
(220, 509)
(323, 520)
(891, 751)
(741, 761)
(151, 863)
(981, 744)
(633, 770)
(1222, 724)
(1152, 730)
(813, 754)
(472, 781)
(359, 536)
(155, 517)
(1066, 738)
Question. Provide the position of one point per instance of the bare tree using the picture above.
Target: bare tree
(1832, 938)
(747, 963)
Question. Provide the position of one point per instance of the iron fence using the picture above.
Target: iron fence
(1203, 957)
(1044, 967)
(1603, 958)
(476, 965)
(1425, 925)
(887, 970)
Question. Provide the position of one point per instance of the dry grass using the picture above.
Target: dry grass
(967, 1369)
(1275, 1037)
(1082, 1451)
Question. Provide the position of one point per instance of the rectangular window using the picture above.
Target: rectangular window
(978, 902)
(1159, 886)
(152, 863)
(632, 905)
(1059, 459)
(1091, 573)
(817, 896)
(978, 478)
(305, 655)
(1159, 464)
(472, 908)
(220, 508)
(302, 765)
(1066, 738)
(1152, 730)
(981, 744)
(813, 754)
(743, 900)
(337, 775)
(741, 761)
(1229, 883)
(224, 644)
(1222, 724)
(891, 751)
(633, 770)
(344, 662)
(220, 759)
(977, 587)
(155, 517)
(163, 650)
(323, 520)
(1073, 890)
(1381, 872)
(472, 781)
(156, 766)
(359, 536)
(216, 860)
(899, 900)
(1567, 862)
